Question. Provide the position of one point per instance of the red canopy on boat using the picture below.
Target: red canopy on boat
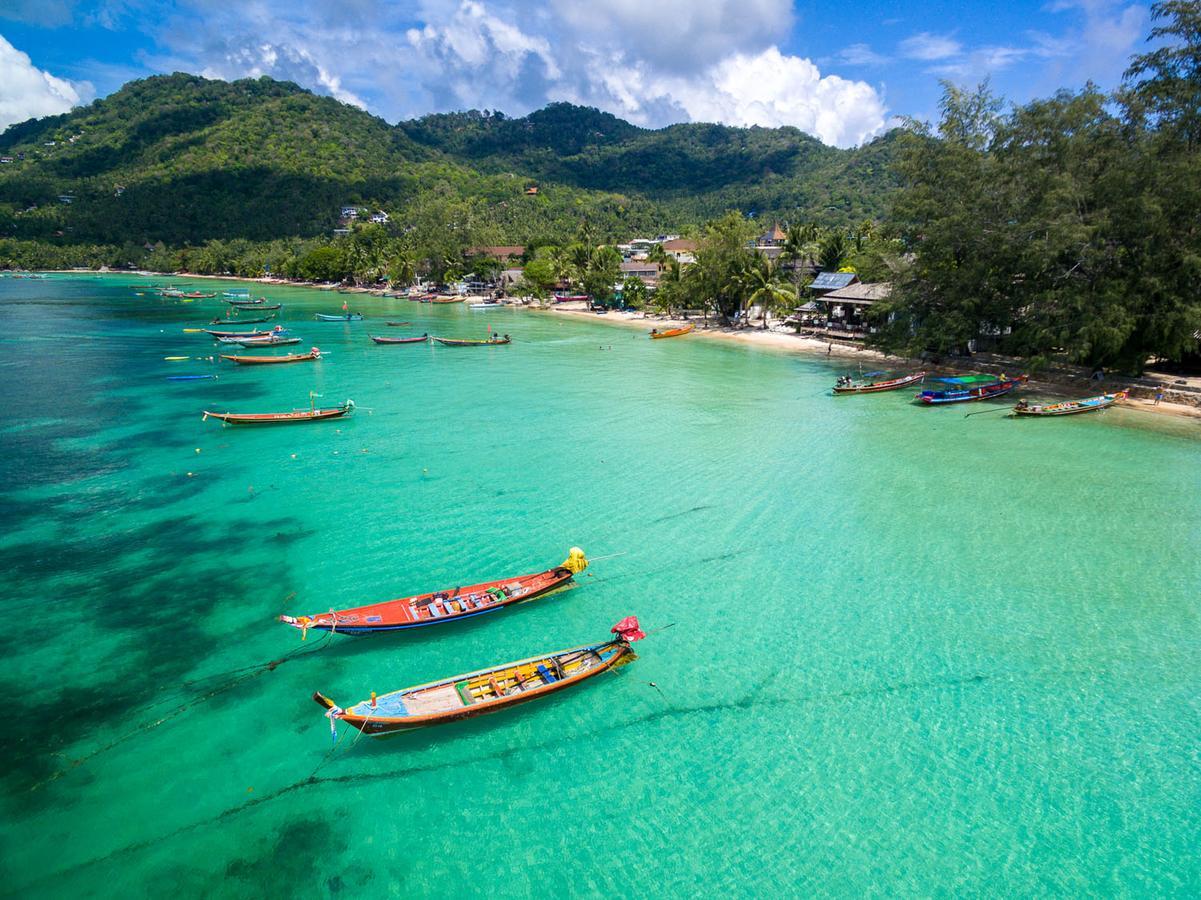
(628, 629)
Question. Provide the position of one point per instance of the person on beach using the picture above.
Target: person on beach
(1158, 394)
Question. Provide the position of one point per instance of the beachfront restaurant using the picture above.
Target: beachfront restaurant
(839, 305)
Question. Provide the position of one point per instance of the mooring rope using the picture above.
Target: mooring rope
(245, 673)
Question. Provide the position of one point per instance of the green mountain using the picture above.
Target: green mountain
(694, 171)
(183, 160)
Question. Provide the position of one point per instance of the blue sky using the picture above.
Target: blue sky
(840, 71)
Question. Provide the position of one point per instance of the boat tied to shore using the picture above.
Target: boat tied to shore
(486, 690)
(848, 385)
(656, 334)
(444, 606)
(968, 388)
(1068, 407)
(312, 414)
(268, 360)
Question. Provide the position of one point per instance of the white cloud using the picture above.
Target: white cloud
(1105, 40)
(27, 92)
(860, 55)
(676, 36)
(929, 47)
(772, 89)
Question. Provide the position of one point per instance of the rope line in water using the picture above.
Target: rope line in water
(247, 673)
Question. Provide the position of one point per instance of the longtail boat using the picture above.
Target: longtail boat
(970, 388)
(238, 335)
(298, 415)
(486, 690)
(257, 306)
(348, 317)
(570, 298)
(400, 340)
(850, 386)
(656, 334)
(1068, 407)
(488, 305)
(438, 298)
(197, 295)
(441, 607)
(254, 321)
(237, 292)
(267, 360)
(398, 324)
(189, 377)
(455, 342)
(274, 340)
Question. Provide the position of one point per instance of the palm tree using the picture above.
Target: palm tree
(834, 251)
(764, 288)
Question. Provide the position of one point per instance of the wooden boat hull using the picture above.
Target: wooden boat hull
(1070, 407)
(672, 332)
(241, 321)
(270, 360)
(322, 317)
(481, 692)
(453, 342)
(238, 335)
(255, 342)
(256, 306)
(404, 340)
(299, 415)
(879, 386)
(984, 392)
(438, 607)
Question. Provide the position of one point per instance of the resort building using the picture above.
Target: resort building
(6, 159)
(773, 238)
(648, 272)
(350, 212)
(682, 249)
(380, 218)
(842, 309)
(831, 281)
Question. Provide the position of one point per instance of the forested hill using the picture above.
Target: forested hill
(181, 159)
(696, 170)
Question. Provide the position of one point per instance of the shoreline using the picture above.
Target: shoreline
(813, 347)
(1067, 387)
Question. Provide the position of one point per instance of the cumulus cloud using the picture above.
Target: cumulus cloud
(926, 46)
(613, 56)
(767, 88)
(27, 92)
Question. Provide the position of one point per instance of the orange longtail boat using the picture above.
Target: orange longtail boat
(267, 360)
(298, 415)
(441, 607)
(671, 332)
(486, 690)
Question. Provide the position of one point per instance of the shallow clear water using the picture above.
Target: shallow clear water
(911, 652)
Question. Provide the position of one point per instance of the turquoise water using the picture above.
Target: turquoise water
(911, 652)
